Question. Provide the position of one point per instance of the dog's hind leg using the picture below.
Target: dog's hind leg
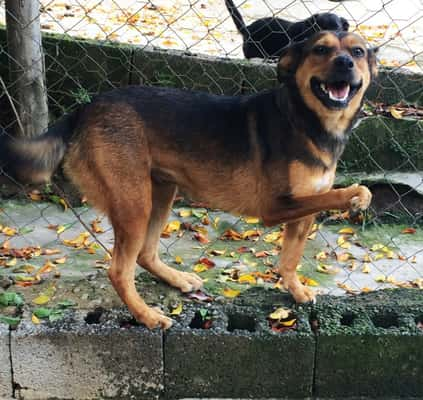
(163, 195)
(295, 237)
(130, 223)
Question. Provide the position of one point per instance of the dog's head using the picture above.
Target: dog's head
(330, 22)
(331, 72)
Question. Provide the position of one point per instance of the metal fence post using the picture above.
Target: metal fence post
(27, 65)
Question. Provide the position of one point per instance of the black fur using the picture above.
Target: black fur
(267, 37)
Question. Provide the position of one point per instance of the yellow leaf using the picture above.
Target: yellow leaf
(200, 268)
(377, 247)
(327, 269)
(347, 231)
(247, 278)
(64, 204)
(251, 233)
(8, 231)
(60, 229)
(307, 281)
(11, 263)
(251, 220)
(380, 278)
(230, 293)
(272, 237)
(172, 226)
(178, 260)
(280, 313)
(289, 322)
(367, 258)
(397, 114)
(343, 242)
(321, 256)
(366, 268)
(185, 213)
(41, 299)
(35, 320)
(344, 257)
(379, 256)
(366, 289)
(177, 310)
(61, 260)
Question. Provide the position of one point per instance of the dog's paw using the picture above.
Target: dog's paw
(154, 318)
(360, 197)
(299, 292)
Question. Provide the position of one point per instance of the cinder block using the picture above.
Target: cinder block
(373, 350)
(5, 367)
(75, 360)
(239, 357)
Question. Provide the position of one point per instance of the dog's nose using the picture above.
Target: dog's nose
(344, 63)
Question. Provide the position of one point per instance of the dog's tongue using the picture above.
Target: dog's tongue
(339, 92)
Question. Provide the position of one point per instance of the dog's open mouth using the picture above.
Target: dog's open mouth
(334, 94)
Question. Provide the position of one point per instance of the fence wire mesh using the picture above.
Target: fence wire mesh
(93, 46)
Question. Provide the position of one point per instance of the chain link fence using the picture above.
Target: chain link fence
(48, 233)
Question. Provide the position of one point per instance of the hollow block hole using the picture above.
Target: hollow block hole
(241, 322)
(385, 321)
(200, 321)
(93, 317)
(347, 319)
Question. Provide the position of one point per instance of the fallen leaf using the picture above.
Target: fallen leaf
(327, 269)
(230, 293)
(307, 281)
(380, 278)
(365, 268)
(35, 320)
(8, 231)
(173, 226)
(42, 299)
(251, 220)
(272, 237)
(177, 310)
(207, 261)
(323, 255)
(201, 238)
(346, 231)
(409, 231)
(200, 296)
(397, 114)
(61, 260)
(342, 241)
(230, 234)
(198, 268)
(185, 213)
(178, 260)
(247, 278)
(251, 234)
(280, 313)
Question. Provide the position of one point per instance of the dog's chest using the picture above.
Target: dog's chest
(306, 181)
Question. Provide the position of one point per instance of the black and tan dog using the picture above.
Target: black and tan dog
(271, 155)
(267, 37)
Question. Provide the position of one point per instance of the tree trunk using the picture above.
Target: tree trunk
(27, 71)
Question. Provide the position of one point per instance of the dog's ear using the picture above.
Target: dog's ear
(289, 61)
(345, 24)
(371, 59)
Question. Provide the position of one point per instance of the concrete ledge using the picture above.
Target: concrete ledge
(72, 359)
(6, 390)
(369, 346)
(238, 357)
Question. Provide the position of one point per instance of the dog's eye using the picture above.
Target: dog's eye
(321, 50)
(357, 52)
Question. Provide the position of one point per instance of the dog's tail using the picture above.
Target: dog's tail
(34, 160)
(237, 18)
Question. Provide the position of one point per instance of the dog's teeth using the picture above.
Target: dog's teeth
(323, 87)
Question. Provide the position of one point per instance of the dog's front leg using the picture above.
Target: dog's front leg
(295, 237)
(355, 197)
